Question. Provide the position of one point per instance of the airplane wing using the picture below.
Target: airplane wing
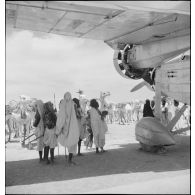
(114, 22)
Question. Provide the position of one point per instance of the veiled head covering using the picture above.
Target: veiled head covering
(94, 104)
(147, 102)
(67, 126)
(40, 128)
(68, 103)
(48, 107)
(77, 102)
(49, 116)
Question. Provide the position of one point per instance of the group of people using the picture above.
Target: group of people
(169, 109)
(125, 113)
(68, 127)
(71, 125)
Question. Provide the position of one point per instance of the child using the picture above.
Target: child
(96, 123)
(103, 130)
(79, 116)
(38, 123)
(49, 140)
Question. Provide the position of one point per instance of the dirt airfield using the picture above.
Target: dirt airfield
(124, 168)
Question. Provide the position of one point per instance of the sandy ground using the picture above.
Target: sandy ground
(122, 169)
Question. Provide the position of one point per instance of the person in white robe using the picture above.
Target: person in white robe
(38, 123)
(95, 117)
(67, 128)
(103, 130)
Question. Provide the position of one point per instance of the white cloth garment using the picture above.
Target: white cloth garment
(67, 124)
(95, 125)
(50, 138)
(103, 130)
(40, 128)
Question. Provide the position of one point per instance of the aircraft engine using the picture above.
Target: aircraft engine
(126, 70)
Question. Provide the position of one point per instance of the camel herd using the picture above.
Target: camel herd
(21, 126)
(122, 113)
(20, 114)
(19, 118)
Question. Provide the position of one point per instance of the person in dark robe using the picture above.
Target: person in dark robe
(50, 139)
(79, 114)
(147, 111)
(38, 123)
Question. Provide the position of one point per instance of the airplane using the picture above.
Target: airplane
(145, 37)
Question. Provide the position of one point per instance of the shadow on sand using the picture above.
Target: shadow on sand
(125, 159)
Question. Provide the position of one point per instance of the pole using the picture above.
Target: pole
(65, 153)
(58, 149)
(35, 139)
(28, 137)
(54, 101)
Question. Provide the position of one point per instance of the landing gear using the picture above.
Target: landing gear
(159, 149)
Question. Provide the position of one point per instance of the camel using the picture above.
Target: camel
(108, 106)
(24, 124)
(84, 102)
(103, 103)
(19, 117)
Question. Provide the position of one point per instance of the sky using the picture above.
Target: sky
(39, 65)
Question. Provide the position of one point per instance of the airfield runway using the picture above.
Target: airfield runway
(122, 169)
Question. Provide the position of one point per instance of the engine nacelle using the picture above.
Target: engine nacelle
(126, 70)
(123, 68)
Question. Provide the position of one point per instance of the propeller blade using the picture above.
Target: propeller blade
(149, 86)
(138, 86)
(142, 84)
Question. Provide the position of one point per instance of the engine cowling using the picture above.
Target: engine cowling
(126, 70)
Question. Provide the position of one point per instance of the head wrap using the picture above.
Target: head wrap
(40, 127)
(49, 117)
(39, 104)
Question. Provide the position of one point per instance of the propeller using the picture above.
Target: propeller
(142, 84)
